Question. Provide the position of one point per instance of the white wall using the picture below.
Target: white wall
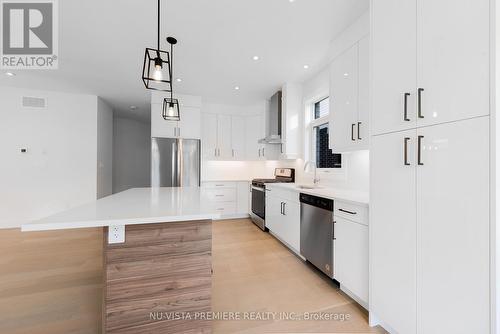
(104, 149)
(131, 154)
(59, 169)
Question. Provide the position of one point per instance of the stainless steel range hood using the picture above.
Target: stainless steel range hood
(273, 121)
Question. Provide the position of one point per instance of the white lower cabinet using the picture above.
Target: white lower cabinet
(351, 250)
(351, 258)
(230, 199)
(429, 229)
(283, 219)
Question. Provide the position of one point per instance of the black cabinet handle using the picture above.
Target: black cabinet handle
(333, 230)
(419, 158)
(281, 208)
(284, 208)
(352, 132)
(407, 139)
(420, 90)
(347, 211)
(359, 124)
(405, 118)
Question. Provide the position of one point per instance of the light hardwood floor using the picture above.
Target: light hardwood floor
(253, 272)
(50, 282)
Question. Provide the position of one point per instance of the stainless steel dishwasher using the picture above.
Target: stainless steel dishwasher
(317, 232)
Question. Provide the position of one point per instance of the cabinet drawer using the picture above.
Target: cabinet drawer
(353, 212)
(224, 208)
(291, 195)
(220, 194)
(222, 184)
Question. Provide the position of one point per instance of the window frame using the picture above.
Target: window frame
(311, 124)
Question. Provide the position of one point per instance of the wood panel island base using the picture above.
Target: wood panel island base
(159, 275)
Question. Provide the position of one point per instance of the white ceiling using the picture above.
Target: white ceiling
(102, 46)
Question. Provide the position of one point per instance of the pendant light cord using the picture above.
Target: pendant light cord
(159, 25)
(172, 72)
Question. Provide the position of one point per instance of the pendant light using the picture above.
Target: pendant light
(170, 110)
(156, 70)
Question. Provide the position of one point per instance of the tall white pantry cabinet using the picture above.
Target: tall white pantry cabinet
(430, 152)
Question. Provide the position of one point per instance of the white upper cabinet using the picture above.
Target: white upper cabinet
(254, 131)
(209, 144)
(430, 62)
(291, 132)
(453, 59)
(159, 126)
(217, 137)
(344, 100)
(349, 99)
(362, 125)
(188, 127)
(238, 137)
(224, 134)
(394, 65)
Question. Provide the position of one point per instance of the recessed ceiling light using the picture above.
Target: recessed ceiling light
(306, 66)
(133, 107)
(179, 79)
(237, 87)
(10, 74)
(255, 57)
(291, 0)
(346, 74)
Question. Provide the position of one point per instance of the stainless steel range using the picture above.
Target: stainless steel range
(258, 213)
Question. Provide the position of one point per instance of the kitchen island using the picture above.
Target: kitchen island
(156, 257)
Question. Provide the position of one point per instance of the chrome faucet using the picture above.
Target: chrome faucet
(307, 166)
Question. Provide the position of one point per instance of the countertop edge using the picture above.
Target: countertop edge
(33, 227)
(286, 186)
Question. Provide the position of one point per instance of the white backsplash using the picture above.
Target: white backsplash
(353, 175)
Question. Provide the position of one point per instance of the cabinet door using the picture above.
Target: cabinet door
(453, 59)
(453, 227)
(362, 125)
(238, 137)
(392, 231)
(209, 134)
(291, 225)
(273, 213)
(344, 100)
(394, 62)
(190, 123)
(254, 126)
(160, 127)
(243, 198)
(351, 256)
(224, 137)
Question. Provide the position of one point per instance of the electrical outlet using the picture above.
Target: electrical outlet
(116, 234)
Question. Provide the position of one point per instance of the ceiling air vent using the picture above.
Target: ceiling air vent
(34, 102)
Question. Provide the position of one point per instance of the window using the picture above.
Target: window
(322, 108)
(321, 152)
(324, 156)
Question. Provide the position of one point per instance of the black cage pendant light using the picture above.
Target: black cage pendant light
(156, 70)
(170, 110)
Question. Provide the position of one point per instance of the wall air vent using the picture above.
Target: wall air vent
(34, 102)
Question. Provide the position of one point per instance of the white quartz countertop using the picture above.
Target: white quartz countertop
(354, 196)
(133, 206)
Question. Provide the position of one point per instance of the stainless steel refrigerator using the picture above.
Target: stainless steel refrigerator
(175, 162)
